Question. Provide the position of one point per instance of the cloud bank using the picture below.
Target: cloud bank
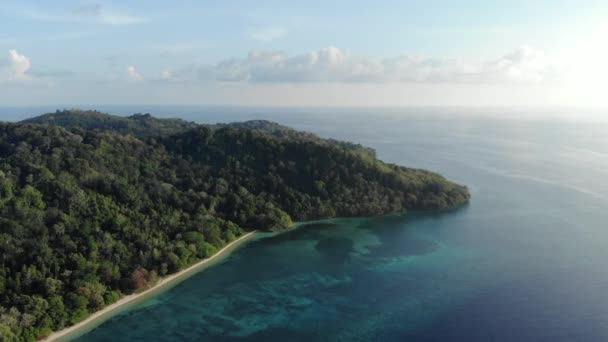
(333, 65)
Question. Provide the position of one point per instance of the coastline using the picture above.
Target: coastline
(99, 317)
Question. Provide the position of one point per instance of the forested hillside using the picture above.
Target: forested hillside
(145, 125)
(107, 205)
(140, 125)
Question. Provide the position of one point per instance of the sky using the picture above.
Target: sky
(304, 53)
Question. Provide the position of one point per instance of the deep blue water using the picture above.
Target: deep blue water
(525, 261)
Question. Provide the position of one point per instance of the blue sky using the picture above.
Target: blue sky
(316, 53)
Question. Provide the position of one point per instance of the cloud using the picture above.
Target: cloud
(184, 75)
(326, 65)
(133, 74)
(15, 67)
(525, 64)
(18, 67)
(105, 16)
(333, 65)
(89, 13)
(19, 64)
(268, 34)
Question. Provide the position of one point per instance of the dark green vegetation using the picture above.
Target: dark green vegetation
(142, 125)
(94, 206)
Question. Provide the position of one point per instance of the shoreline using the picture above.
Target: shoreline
(126, 302)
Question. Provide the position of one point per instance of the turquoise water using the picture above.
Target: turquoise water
(525, 261)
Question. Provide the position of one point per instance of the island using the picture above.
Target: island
(96, 207)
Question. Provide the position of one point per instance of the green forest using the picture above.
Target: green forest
(95, 206)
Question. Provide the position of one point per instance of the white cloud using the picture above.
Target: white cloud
(133, 74)
(15, 67)
(19, 64)
(332, 65)
(525, 64)
(268, 34)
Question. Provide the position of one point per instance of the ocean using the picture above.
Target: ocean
(524, 261)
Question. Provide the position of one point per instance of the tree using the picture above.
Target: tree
(7, 335)
(57, 312)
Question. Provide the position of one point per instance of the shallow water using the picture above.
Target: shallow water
(525, 261)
